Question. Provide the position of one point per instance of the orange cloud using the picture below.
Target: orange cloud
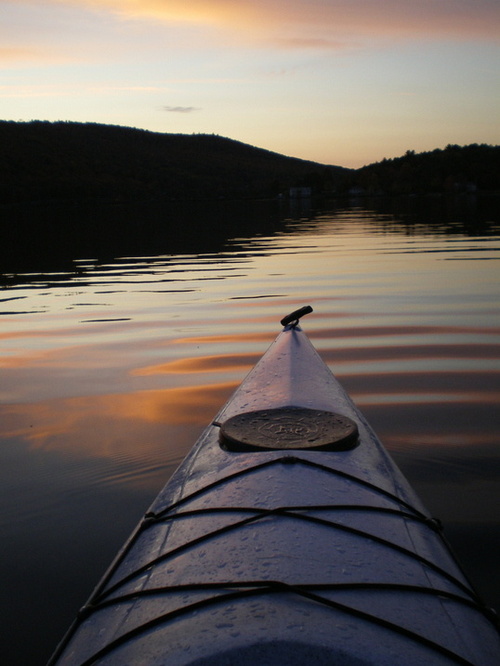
(13, 53)
(309, 20)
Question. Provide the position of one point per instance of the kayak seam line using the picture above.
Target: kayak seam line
(282, 459)
(290, 460)
(276, 587)
(264, 513)
(433, 523)
(335, 587)
(165, 556)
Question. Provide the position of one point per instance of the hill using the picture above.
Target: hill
(473, 168)
(66, 161)
(42, 161)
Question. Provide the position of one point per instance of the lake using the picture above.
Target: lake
(116, 352)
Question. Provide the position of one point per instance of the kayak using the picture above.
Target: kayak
(286, 536)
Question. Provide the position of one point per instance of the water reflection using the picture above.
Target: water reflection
(103, 426)
(114, 358)
(61, 242)
(216, 363)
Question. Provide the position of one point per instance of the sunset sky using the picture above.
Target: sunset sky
(344, 82)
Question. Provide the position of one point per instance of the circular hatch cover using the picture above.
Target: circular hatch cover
(288, 428)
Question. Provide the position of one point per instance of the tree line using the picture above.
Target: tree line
(86, 161)
(67, 161)
(456, 169)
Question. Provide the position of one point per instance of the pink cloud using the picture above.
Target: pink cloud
(324, 21)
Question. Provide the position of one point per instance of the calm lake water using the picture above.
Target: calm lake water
(112, 364)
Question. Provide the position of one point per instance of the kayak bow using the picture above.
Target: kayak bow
(287, 536)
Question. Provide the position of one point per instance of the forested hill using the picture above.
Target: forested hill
(82, 161)
(66, 161)
(456, 169)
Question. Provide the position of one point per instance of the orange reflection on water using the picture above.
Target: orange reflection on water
(75, 356)
(423, 424)
(411, 352)
(117, 423)
(40, 333)
(353, 333)
(226, 339)
(484, 384)
(215, 363)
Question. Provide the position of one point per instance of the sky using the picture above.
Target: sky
(344, 82)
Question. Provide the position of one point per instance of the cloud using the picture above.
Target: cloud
(181, 109)
(46, 32)
(16, 54)
(312, 43)
(323, 20)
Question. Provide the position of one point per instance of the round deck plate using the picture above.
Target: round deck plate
(288, 428)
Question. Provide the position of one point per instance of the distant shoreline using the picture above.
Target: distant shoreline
(87, 162)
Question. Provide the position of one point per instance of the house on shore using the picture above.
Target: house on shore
(300, 192)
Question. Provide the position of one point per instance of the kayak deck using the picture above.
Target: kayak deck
(285, 537)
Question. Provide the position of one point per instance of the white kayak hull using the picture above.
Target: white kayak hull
(315, 552)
